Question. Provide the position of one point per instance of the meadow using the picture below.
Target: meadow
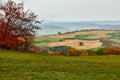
(29, 66)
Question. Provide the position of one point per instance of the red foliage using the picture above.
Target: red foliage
(16, 23)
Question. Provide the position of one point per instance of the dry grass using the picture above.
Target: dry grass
(99, 34)
(75, 44)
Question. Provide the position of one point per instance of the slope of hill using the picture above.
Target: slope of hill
(90, 38)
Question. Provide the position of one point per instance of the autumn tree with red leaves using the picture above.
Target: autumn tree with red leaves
(17, 26)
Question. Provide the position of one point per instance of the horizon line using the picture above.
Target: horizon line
(79, 20)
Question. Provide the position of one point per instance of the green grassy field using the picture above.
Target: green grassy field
(28, 66)
(84, 36)
(43, 42)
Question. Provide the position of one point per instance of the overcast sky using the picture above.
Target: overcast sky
(74, 10)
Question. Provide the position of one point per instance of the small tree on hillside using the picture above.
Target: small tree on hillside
(81, 43)
(17, 27)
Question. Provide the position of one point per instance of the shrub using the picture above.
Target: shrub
(84, 52)
(71, 52)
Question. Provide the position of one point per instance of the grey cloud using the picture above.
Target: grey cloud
(75, 9)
